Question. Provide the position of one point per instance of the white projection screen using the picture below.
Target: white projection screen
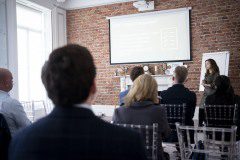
(161, 36)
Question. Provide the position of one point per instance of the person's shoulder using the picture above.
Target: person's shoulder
(32, 130)
(123, 93)
(12, 102)
(192, 93)
(164, 92)
(157, 107)
(121, 109)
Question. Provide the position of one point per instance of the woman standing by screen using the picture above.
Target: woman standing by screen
(212, 71)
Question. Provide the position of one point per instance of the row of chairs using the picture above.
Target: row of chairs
(206, 143)
(36, 109)
(220, 120)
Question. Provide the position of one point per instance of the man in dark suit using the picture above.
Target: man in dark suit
(72, 131)
(179, 94)
(135, 72)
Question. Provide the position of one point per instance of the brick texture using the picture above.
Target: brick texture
(215, 26)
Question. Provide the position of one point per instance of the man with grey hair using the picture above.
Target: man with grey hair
(11, 108)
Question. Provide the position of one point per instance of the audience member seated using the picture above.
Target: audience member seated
(11, 108)
(135, 72)
(72, 131)
(224, 95)
(179, 94)
(5, 137)
(141, 107)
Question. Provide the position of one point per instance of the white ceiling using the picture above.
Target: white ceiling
(78, 4)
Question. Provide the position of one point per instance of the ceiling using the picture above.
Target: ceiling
(78, 4)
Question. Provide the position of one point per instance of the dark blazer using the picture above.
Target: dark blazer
(75, 133)
(178, 94)
(121, 97)
(5, 137)
(144, 113)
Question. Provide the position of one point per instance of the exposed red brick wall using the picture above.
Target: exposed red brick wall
(215, 26)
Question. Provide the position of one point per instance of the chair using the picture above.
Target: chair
(34, 109)
(150, 134)
(29, 109)
(175, 113)
(48, 106)
(39, 109)
(210, 150)
(220, 115)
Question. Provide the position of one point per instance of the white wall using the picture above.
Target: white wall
(3, 35)
(77, 4)
(9, 59)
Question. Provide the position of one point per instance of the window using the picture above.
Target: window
(34, 45)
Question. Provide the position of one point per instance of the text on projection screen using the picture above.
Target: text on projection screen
(150, 38)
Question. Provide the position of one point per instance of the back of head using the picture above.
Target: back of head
(135, 72)
(180, 74)
(6, 83)
(68, 75)
(223, 84)
(144, 88)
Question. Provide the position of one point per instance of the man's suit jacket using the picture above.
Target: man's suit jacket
(73, 134)
(5, 137)
(178, 94)
(144, 113)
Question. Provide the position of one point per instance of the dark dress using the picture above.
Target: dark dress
(209, 79)
(144, 113)
(75, 133)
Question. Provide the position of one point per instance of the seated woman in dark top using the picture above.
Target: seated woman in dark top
(224, 95)
(141, 107)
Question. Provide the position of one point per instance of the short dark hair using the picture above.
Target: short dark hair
(136, 71)
(68, 75)
(181, 73)
(223, 84)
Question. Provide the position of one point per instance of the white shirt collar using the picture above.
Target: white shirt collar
(83, 105)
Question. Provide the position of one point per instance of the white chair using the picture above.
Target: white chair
(39, 110)
(175, 113)
(212, 149)
(48, 106)
(29, 109)
(150, 135)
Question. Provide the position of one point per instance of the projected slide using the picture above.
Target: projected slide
(150, 37)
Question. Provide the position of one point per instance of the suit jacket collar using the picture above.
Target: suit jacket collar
(142, 104)
(178, 85)
(71, 111)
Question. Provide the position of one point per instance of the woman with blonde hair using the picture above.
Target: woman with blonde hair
(142, 108)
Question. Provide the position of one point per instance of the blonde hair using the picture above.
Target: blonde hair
(144, 88)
